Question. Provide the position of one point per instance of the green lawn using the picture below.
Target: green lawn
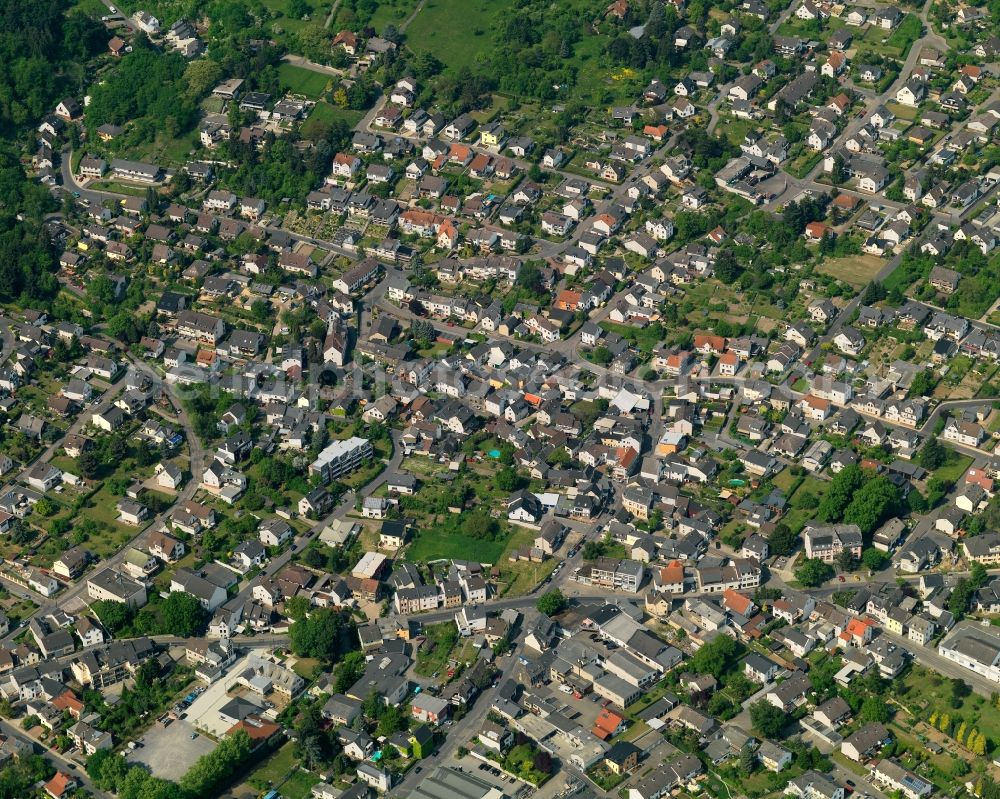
(165, 150)
(802, 504)
(520, 578)
(302, 81)
(324, 114)
(306, 668)
(299, 785)
(118, 188)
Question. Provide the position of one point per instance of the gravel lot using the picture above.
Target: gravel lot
(170, 751)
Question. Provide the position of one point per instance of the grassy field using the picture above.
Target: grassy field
(802, 504)
(323, 114)
(433, 30)
(517, 579)
(302, 81)
(804, 164)
(92, 8)
(955, 467)
(437, 544)
(902, 111)
(391, 12)
(306, 668)
(166, 151)
(286, 23)
(118, 188)
(299, 785)
(858, 270)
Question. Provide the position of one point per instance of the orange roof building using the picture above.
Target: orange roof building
(60, 785)
(68, 701)
(568, 300)
(706, 343)
(857, 632)
(608, 724)
(816, 230)
(738, 602)
(260, 730)
(672, 574)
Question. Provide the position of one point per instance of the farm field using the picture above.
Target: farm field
(858, 270)
(433, 29)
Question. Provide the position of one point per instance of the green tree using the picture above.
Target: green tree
(297, 607)
(933, 454)
(201, 75)
(782, 540)
(846, 560)
(842, 488)
(872, 504)
(923, 383)
(552, 602)
(348, 671)
(210, 772)
(601, 355)
(326, 634)
(390, 720)
(813, 572)
(114, 616)
(89, 463)
(767, 719)
(507, 479)
(716, 657)
(181, 614)
(874, 559)
(874, 708)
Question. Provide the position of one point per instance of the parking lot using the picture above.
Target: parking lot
(169, 752)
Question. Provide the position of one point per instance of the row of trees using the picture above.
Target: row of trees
(968, 736)
(179, 614)
(112, 772)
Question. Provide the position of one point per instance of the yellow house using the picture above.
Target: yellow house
(895, 620)
(491, 135)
